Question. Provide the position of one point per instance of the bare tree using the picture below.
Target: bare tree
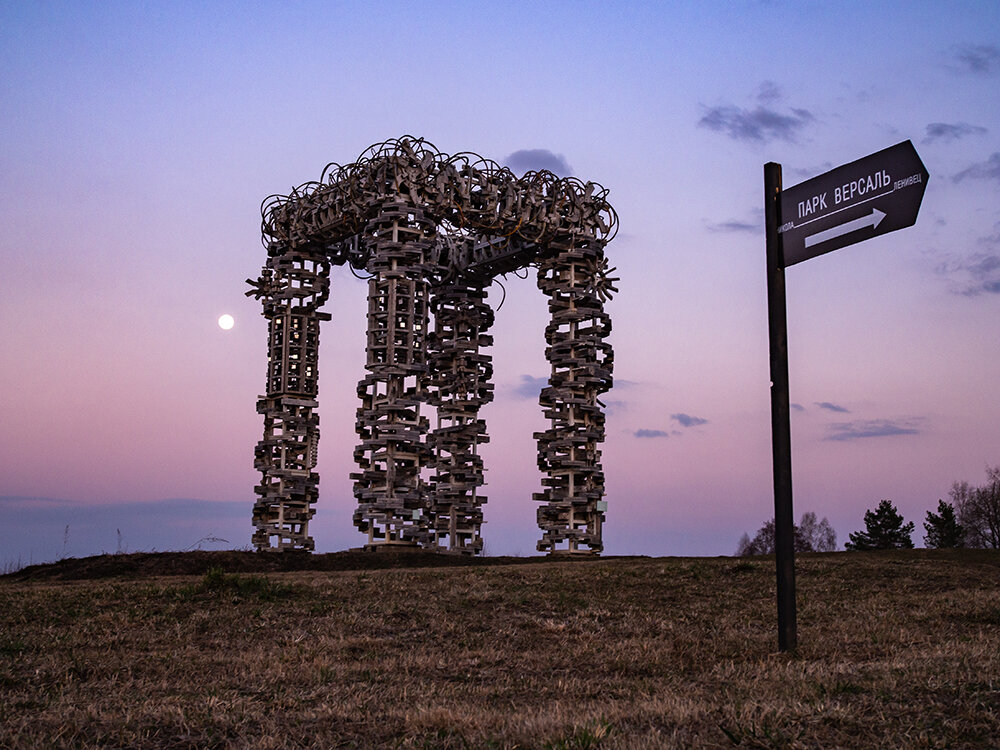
(979, 510)
(810, 536)
(815, 536)
(961, 495)
(761, 544)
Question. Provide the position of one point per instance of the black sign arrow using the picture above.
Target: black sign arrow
(868, 197)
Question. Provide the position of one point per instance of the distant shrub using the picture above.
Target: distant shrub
(810, 536)
(217, 581)
(943, 529)
(978, 510)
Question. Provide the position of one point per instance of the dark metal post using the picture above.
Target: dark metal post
(781, 439)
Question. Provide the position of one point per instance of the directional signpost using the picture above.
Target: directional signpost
(868, 197)
(852, 203)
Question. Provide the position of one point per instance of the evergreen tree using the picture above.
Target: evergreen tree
(884, 529)
(943, 529)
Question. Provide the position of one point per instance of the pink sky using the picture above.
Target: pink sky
(138, 144)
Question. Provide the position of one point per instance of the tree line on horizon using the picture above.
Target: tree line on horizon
(971, 519)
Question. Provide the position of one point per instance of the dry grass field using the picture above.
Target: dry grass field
(896, 649)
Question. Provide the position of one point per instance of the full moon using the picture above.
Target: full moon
(226, 322)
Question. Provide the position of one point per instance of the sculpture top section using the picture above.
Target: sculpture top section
(489, 221)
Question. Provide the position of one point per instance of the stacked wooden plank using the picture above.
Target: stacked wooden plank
(292, 286)
(391, 494)
(459, 384)
(573, 511)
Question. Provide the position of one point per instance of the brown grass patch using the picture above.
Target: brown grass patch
(897, 649)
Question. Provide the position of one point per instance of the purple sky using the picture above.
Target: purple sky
(137, 142)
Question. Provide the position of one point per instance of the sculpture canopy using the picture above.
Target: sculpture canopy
(510, 218)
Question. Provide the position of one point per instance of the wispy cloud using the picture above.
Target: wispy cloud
(51, 527)
(805, 173)
(762, 122)
(769, 93)
(651, 434)
(736, 226)
(686, 420)
(530, 386)
(832, 407)
(614, 406)
(872, 428)
(984, 170)
(759, 125)
(978, 273)
(980, 59)
(984, 270)
(537, 159)
(20, 501)
(798, 407)
(943, 131)
(623, 383)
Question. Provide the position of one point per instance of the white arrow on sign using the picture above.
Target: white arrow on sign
(872, 220)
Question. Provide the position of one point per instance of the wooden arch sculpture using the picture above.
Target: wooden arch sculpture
(433, 231)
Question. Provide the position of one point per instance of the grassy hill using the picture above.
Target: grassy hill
(897, 649)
